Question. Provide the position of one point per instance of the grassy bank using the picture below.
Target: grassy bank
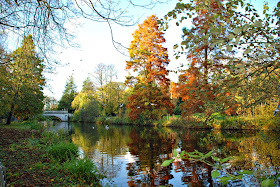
(262, 121)
(34, 157)
(218, 121)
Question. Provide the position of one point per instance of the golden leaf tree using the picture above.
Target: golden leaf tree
(150, 98)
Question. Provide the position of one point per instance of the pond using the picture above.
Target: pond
(132, 156)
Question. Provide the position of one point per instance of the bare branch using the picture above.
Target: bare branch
(46, 20)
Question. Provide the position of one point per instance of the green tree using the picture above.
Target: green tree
(86, 106)
(114, 97)
(68, 95)
(150, 98)
(256, 35)
(24, 81)
(4, 91)
(104, 76)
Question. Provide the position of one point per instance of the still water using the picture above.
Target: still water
(132, 156)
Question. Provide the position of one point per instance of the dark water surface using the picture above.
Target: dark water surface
(132, 156)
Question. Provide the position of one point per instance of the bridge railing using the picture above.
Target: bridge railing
(56, 112)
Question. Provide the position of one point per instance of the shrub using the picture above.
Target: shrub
(101, 120)
(234, 122)
(63, 151)
(84, 169)
(32, 125)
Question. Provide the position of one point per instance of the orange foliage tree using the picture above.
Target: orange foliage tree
(150, 98)
(200, 86)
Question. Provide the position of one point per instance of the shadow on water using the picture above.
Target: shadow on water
(132, 156)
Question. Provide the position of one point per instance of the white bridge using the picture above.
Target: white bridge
(63, 115)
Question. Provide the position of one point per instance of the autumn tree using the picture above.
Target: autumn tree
(150, 98)
(23, 82)
(68, 95)
(233, 26)
(200, 84)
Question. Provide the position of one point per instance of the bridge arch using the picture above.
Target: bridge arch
(63, 115)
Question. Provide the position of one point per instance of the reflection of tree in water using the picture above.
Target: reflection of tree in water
(190, 140)
(152, 147)
(250, 150)
(107, 164)
(261, 152)
(145, 176)
(194, 173)
(102, 145)
(149, 143)
(111, 144)
(85, 137)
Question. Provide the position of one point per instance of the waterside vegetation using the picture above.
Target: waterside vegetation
(261, 118)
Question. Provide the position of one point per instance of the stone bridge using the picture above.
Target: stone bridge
(63, 115)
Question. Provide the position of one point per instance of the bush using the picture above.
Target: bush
(83, 168)
(234, 122)
(87, 113)
(101, 120)
(63, 151)
(178, 121)
(35, 125)
(118, 120)
(40, 117)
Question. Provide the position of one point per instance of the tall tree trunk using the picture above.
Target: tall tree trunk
(205, 76)
(11, 113)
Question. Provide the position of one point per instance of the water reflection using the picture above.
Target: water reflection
(131, 156)
(58, 126)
